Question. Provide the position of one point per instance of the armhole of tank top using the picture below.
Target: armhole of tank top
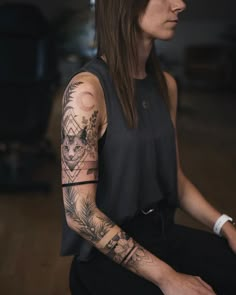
(166, 107)
(102, 139)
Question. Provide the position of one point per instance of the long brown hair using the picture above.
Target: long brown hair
(116, 33)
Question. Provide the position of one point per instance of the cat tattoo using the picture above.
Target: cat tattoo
(78, 141)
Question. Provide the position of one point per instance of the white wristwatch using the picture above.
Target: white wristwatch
(220, 222)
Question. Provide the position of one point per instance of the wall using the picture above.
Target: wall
(191, 33)
(196, 9)
(203, 22)
(53, 8)
(210, 10)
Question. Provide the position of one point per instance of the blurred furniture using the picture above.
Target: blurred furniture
(28, 77)
(209, 66)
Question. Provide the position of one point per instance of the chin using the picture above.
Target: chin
(166, 37)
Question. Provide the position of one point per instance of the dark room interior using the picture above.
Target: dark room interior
(42, 44)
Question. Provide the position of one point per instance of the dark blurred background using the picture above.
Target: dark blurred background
(42, 44)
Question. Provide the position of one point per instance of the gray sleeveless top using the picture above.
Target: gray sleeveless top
(137, 167)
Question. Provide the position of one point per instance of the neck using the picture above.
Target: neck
(144, 49)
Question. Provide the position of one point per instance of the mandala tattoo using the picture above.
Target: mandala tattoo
(124, 250)
(78, 140)
(85, 218)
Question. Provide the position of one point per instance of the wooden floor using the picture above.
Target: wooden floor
(30, 223)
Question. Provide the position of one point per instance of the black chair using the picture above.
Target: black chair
(28, 79)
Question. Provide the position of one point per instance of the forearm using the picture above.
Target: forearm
(112, 241)
(194, 203)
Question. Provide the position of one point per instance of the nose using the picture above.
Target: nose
(179, 6)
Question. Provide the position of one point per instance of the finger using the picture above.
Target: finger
(205, 284)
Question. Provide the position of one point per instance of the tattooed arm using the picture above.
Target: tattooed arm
(82, 125)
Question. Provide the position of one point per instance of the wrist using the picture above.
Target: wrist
(166, 276)
(220, 222)
(228, 229)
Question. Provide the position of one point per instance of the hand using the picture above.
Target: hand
(182, 284)
(229, 232)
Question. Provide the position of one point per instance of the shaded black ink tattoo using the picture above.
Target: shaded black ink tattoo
(93, 171)
(85, 217)
(78, 141)
(68, 96)
(138, 257)
(124, 250)
(70, 196)
(119, 246)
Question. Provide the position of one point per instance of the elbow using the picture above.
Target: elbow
(182, 181)
(81, 215)
(73, 225)
(79, 207)
(70, 222)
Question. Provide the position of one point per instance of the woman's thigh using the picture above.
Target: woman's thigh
(187, 250)
(204, 254)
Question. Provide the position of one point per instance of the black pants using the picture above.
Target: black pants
(187, 250)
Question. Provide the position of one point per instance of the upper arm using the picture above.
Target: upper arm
(81, 120)
(173, 98)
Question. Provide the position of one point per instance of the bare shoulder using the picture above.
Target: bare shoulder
(89, 86)
(88, 80)
(169, 79)
(87, 93)
(172, 85)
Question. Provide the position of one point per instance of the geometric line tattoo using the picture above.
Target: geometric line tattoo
(124, 250)
(78, 140)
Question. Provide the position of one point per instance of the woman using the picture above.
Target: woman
(121, 176)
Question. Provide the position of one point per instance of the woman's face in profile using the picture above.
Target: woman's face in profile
(160, 18)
